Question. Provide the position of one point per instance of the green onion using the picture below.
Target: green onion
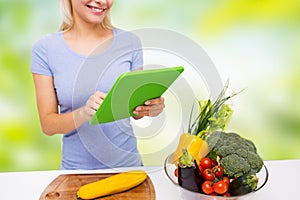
(212, 116)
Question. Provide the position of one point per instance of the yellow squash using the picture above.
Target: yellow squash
(113, 184)
(197, 147)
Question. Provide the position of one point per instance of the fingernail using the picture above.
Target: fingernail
(147, 102)
(138, 108)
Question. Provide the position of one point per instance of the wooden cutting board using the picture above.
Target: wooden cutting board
(65, 186)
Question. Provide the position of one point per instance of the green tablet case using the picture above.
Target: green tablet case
(132, 89)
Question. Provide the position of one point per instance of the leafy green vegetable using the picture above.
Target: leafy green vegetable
(221, 118)
(212, 116)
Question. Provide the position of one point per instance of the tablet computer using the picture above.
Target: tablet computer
(132, 89)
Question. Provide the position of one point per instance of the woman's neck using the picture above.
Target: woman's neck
(83, 39)
(85, 31)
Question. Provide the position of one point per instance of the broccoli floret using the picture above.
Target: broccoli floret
(224, 151)
(235, 166)
(255, 161)
(250, 145)
(242, 153)
(238, 155)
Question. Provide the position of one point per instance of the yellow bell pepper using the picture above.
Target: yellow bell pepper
(196, 146)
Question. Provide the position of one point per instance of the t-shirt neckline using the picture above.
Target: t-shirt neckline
(61, 35)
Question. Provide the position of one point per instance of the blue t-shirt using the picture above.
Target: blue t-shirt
(76, 78)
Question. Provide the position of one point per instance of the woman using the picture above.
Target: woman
(60, 59)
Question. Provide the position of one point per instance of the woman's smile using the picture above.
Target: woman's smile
(96, 10)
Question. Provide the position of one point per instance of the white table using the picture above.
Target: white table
(283, 182)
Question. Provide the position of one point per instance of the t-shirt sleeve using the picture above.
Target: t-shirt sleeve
(39, 59)
(137, 55)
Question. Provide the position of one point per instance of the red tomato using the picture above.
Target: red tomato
(176, 172)
(208, 175)
(220, 187)
(227, 194)
(206, 163)
(207, 187)
(226, 180)
(213, 194)
(214, 163)
(218, 171)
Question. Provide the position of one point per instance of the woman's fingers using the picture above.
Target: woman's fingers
(100, 95)
(152, 108)
(94, 102)
(158, 101)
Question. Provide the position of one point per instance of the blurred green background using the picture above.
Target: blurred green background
(254, 43)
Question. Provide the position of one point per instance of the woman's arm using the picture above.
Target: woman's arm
(53, 122)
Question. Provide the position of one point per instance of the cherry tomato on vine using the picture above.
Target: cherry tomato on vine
(208, 175)
(214, 163)
(206, 163)
(226, 180)
(218, 171)
(220, 187)
(207, 187)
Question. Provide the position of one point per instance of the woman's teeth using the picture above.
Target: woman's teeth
(97, 9)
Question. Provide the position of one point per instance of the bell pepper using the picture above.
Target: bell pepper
(195, 146)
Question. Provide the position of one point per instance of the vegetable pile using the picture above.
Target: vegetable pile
(212, 117)
(212, 161)
(228, 170)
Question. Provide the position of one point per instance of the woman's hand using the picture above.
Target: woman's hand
(152, 108)
(93, 104)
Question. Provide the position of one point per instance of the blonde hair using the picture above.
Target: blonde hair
(67, 16)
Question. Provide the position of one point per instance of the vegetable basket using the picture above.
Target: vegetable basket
(170, 167)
